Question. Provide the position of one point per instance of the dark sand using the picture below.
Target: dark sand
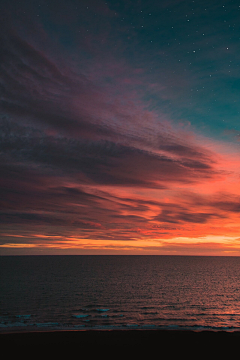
(115, 343)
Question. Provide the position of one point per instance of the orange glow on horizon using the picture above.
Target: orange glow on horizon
(206, 245)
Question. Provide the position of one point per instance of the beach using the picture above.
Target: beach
(120, 342)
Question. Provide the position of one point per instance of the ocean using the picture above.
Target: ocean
(119, 292)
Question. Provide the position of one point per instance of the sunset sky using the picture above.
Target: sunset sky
(120, 127)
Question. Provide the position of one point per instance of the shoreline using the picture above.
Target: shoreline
(128, 330)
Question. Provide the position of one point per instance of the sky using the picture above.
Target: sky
(120, 128)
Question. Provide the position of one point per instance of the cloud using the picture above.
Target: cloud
(103, 162)
(35, 90)
(227, 205)
(185, 216)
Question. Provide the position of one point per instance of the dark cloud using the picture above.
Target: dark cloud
(103, 162)
(227, 206)
(176, 217)
(34, 89)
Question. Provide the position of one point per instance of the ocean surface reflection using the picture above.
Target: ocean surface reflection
(83, 292)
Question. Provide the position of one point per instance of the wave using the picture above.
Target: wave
(47, 324)
(120, 326)
(23, 316)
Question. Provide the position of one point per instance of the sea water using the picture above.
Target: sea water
(119, 292)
